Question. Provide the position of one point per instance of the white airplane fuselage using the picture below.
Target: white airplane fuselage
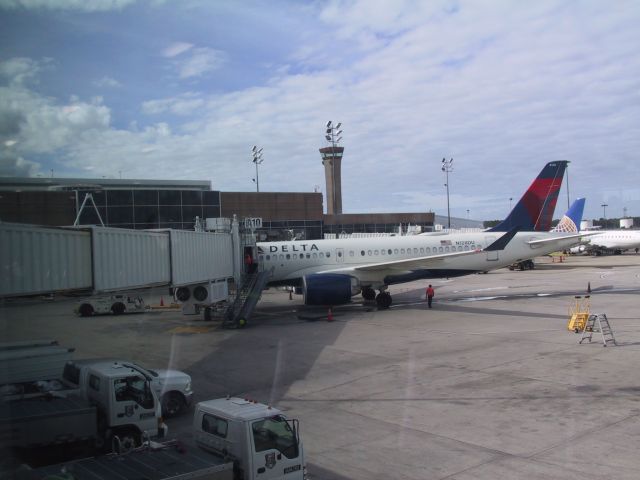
(381, 261)
(616, 239)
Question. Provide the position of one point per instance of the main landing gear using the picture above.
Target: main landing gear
(383, 299)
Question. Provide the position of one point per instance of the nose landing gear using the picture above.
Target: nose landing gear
(383, 300)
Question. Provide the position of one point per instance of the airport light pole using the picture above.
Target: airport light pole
(446, 168)
(257, 159)
(604, 214)
(332, 134)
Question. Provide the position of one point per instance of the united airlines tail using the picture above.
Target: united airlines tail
(571, 220)
(534, 211)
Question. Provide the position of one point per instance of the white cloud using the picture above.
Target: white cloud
(176, 49)
(83, 5)
(185, 104)
(18, 71)
(200, 61)
(107, 82)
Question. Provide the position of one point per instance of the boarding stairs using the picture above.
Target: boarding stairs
(247, 298)
(598, 322)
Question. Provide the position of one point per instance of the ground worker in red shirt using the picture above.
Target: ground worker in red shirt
(430, 293)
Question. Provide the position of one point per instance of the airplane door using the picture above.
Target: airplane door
(491, 256)
(340, 255)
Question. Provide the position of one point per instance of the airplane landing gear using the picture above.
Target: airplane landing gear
(368, 293)
(383, 299)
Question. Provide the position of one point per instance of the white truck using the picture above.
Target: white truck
(109, 400)
(238, 439)
(172, 387)
(115, 304)
(258, 438)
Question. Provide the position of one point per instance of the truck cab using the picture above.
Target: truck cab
(127, 404)
(260, 440)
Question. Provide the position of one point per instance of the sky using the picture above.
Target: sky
(152, 89)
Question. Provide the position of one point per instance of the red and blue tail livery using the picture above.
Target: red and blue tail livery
(534, 211)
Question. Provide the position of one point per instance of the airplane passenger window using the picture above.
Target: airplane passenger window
(268, 257)
(415, 251)
(281, 256)
(328, 254)
(395, 251)
(402, 251)
(321, 254)
(459, 248)
(428, 249)
(288, 257)
(369, 252)
(362, 253)
(315, 255)
(389, 251)
(421, 249)
(308, 255)
(301, 256)
(351, 253)
(376, 252)
(446, 249)
(440, 250)
(382, 252)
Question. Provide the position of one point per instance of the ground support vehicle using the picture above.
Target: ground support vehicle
(109, 400)
(172, 387)
(115, 304)
(259, 440)
(523, 265)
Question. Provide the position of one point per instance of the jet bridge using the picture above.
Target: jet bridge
(38, 260)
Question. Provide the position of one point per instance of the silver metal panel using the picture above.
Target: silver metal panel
(124, 259)
(38, 259)
(200, 256)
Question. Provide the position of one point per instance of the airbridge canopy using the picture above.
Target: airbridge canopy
(37, 260)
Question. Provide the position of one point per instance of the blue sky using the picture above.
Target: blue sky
(184, 89)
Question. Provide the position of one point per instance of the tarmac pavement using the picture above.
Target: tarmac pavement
(488, 384)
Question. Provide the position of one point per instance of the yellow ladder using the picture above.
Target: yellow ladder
(579, 313)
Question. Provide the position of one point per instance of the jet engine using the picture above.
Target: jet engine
(329, 289)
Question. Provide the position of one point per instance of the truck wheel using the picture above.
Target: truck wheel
(85, 310)
(172, 404)
(125, 440)
(118, 308)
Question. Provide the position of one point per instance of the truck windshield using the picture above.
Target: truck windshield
(275, 433)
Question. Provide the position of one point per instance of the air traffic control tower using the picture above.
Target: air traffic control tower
(332, 160)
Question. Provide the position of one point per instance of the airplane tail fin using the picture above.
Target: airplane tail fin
(570, 222)
(534, 211)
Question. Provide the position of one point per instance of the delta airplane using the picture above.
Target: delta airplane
(616, 241)
(330, 272)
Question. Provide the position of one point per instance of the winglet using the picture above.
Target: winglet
(502, 242)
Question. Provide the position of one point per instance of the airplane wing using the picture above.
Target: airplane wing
(428, 261)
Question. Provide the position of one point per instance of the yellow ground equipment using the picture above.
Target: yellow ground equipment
(579, 313)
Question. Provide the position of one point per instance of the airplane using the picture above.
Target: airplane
(616, 241)
(330, 272)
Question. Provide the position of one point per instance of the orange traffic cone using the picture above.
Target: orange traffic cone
(161, 302)
(330, 315)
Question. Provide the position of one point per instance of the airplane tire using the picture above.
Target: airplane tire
(85, 310)
(383, 300)
(368, 293)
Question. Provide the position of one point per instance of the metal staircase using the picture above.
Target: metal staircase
(598, 323)
(246, 299)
